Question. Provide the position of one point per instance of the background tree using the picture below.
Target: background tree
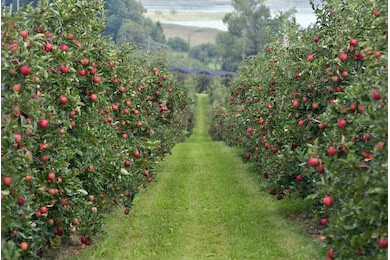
(250, 28)
(178, 44)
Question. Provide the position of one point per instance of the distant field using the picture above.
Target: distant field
(196, 35)
(172, 16)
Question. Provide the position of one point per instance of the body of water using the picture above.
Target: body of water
(304, 16)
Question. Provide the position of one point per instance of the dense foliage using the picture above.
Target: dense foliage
(125, 22)
(313, 118)
(83, 124)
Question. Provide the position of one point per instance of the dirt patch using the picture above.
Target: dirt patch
(307, 224)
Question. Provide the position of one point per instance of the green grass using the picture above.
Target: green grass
(205, 204)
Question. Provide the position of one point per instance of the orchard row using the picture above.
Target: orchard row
(83, 124)
(313, 118)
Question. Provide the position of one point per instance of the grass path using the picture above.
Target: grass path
(205, 204)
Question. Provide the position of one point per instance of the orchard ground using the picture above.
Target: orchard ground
(205, 203)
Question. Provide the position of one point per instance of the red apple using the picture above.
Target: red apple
(313, 162)
(324, 221)
(353, 42)
(96, 79)
(43, 123)
(332, 151)
(63, 100)
(43, 210)
(310, 57)
(316, 38)
(377, 54)
(328, 201)
(84, 61)
(25, 70)
(301, 123)
(111, 64)
(64, 69)
(82, 72)
(343, 56)
(296, 103)
(382, 242)
(320, 169)
(136, 154)
(376, 95)
(48, 47)
(64, 47)
(127, 164)
(344, 74)
(51, 176)
(299, 178)
(341, 123)
(249, 130)
(21, 201)
(24, 34)
(93, 97)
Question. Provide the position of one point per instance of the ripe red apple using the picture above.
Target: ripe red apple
(63, 100)
(344, 74)
(279, 197)
(111, 64)
(18, 138)
(313, 162)
(135, 111)
(341, 123)
(122, 89)
(310, 57)
(299, 178)
(24, 246)
(320, 169)
(84, 240)
(376, 95)
(272, 192)
(43, 123)
(335, 79)
(301, 123)
(170, 90)
(84, 61)
(93, 71)
(48, 47)
(322, 126)
(266, 146)
(45, 158)
(343, 56)
(51, 176)
(316, 38)
(331, 253)
(332, 151)
(164, 77)
(377, 54)
(127, 164)
(43, 210)
(361, 109)
(124, 136)
(93, 97)
(136, 154)
(353, 42)
(127, 211)
(25, 70)
(328, 201)
(382, 242)
(298, 75)
(16, 87)
(269, 106)
(296, 103)
(64, 69)
(324, 221)
(249, 130)
(21, 201)
(64, 47)
(96, 79)
(82, 72)
(24, 34)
